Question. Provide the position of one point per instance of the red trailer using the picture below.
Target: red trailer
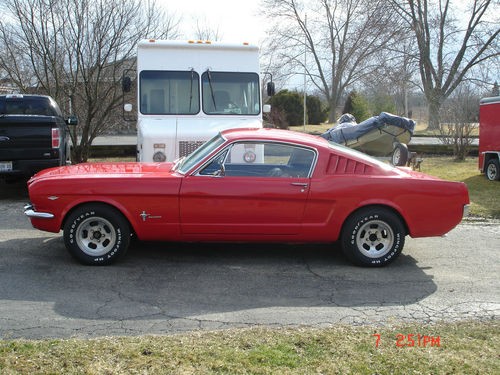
(489, 137)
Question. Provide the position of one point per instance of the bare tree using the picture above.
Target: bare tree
(449, 49)
(460, 115)
(205, 31)
(340, 39)
(75, 51)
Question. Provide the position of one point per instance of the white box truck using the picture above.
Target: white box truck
(188, 91)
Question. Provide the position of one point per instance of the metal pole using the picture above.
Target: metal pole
(305, 70)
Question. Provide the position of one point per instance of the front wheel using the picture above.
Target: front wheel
(96, 234)
(493, 170)
(373, 237)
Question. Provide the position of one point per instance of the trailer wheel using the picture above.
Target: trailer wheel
(493, 170)
(400, 155)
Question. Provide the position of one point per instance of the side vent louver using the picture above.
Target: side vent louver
(342, 165)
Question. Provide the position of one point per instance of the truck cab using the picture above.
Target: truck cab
(188, 91)
(489, 137)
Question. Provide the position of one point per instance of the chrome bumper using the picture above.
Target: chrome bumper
(30, 212)
(466, 211)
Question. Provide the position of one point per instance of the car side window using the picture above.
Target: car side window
(262, 159)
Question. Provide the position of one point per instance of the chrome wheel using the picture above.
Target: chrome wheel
(373, 236)
(375, 239)
(96, 236)
(96, 233)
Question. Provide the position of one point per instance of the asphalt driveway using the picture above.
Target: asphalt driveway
(170, 287)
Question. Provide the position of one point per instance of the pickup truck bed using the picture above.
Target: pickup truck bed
(33, 135)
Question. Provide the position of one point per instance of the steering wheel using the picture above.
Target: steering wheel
(275, 172)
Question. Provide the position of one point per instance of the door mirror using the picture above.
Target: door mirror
(72, 120)
(126, 84)
(270, 89)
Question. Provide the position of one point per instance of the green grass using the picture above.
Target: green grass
(484, 194)
(466, 348)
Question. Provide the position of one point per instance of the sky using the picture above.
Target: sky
(236, 20)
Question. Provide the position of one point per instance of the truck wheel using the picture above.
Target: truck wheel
(96, 234)
(493, 170)
(400, 155)
(373, 237)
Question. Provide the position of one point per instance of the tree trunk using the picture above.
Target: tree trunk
(434, 109)
(332, 114)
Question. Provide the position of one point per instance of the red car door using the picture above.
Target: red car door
(265, 196)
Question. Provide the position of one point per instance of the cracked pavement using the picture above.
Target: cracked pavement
(164, 288)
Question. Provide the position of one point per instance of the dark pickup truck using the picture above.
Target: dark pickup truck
(33, 135)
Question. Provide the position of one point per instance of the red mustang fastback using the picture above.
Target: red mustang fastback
(254, 185)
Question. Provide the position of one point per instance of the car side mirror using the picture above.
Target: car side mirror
(72, 120)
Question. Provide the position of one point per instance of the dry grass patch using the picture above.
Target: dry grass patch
(467, 347)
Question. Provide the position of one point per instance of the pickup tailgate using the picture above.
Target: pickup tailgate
(26, 137)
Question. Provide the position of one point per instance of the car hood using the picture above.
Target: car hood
(104, 170)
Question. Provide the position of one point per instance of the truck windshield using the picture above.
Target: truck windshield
(230, 93)
(169, 92)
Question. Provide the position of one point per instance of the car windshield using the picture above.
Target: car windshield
(199, 154)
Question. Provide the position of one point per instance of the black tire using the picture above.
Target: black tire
(96, 234)
(373, 237)
(492, 170)
(400, 155)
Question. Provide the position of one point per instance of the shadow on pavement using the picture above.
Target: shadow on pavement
(172, 280)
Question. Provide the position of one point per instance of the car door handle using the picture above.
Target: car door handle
(301, 184)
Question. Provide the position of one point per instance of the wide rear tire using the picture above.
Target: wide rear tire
(96, 234)
(373, 237)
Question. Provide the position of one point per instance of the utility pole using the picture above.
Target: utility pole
(305, 71)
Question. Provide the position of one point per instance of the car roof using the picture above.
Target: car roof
(274, 135)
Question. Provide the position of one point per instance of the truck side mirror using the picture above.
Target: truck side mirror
(270, 89)
(127, 107)
(267, 108)
(72, 120)
(126, 84)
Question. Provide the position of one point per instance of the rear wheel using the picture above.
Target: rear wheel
(96, 234)
(493, 170)
(373, 237)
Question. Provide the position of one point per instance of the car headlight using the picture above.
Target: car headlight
(159, 157)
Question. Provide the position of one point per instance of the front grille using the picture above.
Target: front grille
(187, 147)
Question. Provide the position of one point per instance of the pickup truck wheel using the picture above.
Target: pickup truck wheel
(373, 237)
(493, 170)
(96, 234)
